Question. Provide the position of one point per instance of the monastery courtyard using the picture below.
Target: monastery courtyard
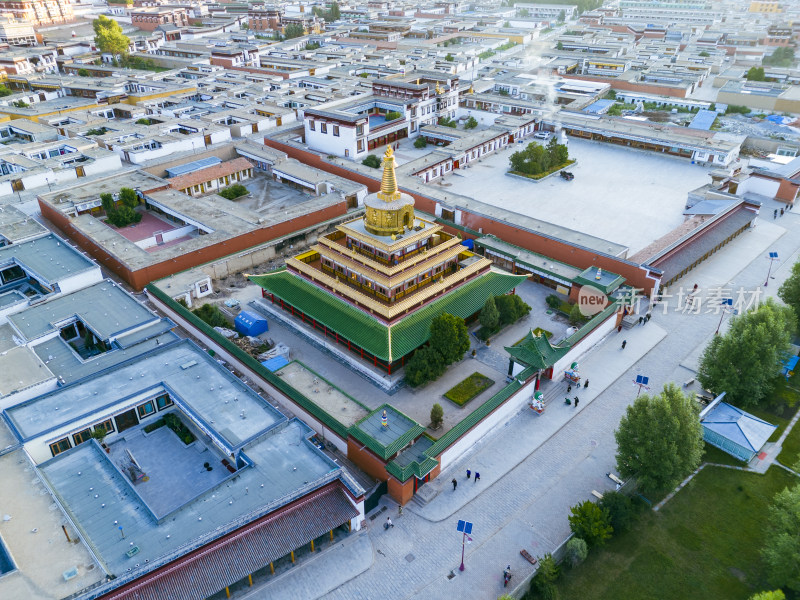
(655, 190)
(535, 467)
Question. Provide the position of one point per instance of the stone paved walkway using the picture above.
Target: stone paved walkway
(527, 491)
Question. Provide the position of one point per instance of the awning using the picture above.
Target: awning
(233, 557)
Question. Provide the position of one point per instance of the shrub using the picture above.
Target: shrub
(511, 308)
(590, 522)
(468, 389)
(620, 510)
(154, 425)
(211, 314)
(98, 131)
(392, 115)
(471, 123)
(237, 190)
(447, 122)
(553, 301)
(83, 72)
(420, 142)
(575, 315)
(372, 161)
(737, 108)
(437, 415)
(449, 57)
(543, 585)
(5, 91)
(576, 551)
(143, 121)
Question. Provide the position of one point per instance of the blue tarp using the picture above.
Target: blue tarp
(248, 323)
(704, 119)
(468, 243)
(789, 365)
(273, 364)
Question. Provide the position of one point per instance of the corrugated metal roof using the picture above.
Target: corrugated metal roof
(195, 165)
(704, 119)
(223, 562)
(742, 428)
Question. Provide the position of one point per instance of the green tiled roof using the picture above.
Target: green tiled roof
(536, 351)
(388, 343)
(402, 430)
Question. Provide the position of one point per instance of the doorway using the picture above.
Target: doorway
(126, 420)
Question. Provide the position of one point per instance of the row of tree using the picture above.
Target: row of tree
(449, 340)
(536, 159)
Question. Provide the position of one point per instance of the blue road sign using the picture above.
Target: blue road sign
(727, 302)
(642, 380)
(464, 527)
(773, 255)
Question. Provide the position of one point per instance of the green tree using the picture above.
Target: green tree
(372, 161)
(543, 584)
(524, 12)
(237, 190)
(490, 316)
(449, 337)
(107, 202)
(575, 315)
(335, 13)
(511, 308)
(576, 551)
(590, 523)
(425, 365)
(620, 510)
(143, 121)
(781, 551)
(420, 142)
(392, 115)
(128, 197)
(755, 74)
(108, 36)
(211, 314)
(449, 57)
(562, 16)
(659, 440)
(437, 415)
(559, 46)
(789, 292)
(743, 362)
(83, 72)
(470, 123)
(447, 122)
(704, 54)
(772, 595)
(293, 30)
(5, 91)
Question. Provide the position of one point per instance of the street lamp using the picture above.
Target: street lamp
(725, 303)
(49, 188)
(773, 256)
(465, 528)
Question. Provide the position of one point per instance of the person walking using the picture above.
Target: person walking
(455, 483)
(624, 343)
(477, 476)
(775, 214)
(469, 473)
(576, 402)
(586, 384)
(619, 329)
(781, 212)
(569, 388)
(388, 523)
(647, 317)
(641, 320)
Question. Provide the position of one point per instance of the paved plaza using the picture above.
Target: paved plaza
(536, 467)
(652, 204)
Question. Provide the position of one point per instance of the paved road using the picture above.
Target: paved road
(525, 496)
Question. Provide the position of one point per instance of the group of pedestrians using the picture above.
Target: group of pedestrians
(469, 476)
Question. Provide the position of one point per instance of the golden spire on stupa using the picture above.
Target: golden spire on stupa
(389, 191)
(439, 90)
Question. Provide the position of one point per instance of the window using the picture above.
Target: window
(60, 446)
(204, 288)
(336, 130)
(107, 426)
(146, 409)
(311, 125)
(323, 128)
(163, 402)
(82, 436)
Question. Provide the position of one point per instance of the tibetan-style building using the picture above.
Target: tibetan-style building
(375, 284)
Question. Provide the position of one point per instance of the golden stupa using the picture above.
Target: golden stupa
(390, 211)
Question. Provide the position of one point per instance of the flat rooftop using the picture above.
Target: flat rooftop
(35, 540)
(48, 257)
(104, 307)
(331, 399)
(195, 380)
(101, 499)
(16, 226)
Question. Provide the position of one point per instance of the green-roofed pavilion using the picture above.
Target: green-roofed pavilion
(536, 351)
(386, 436)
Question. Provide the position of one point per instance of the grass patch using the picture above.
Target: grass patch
(790, 453)
(687, 546)
(468, 389)
(544, 173)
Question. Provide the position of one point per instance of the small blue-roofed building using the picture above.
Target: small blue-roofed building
(249, 323)
(733, 430)
(276, 363)
(193, 166)
(789, 365)
(599, 107)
